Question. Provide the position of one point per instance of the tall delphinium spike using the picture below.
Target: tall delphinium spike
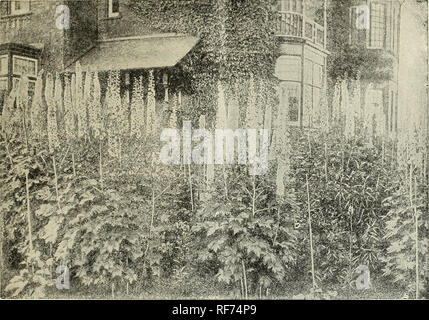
(336, 103)
(38, 112)
(137, 109)
(53, 141)
(221, 114)
(173, 115)
(323, 116)
(69, 122)
(8, 114)
(348, 111)
(251, 118)
(261, 101)
(87, 100)
(59, 102)
(209, 168)
(268, 117)
(113, 102)
(221, 123)
(280, 146)
(357, 105)
(79, 103)
(268, 121)
(22, 108)
(368, 115)
(233, 119)
(96, 111)
(151, 104)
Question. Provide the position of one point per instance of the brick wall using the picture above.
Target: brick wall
(83, 32)
(35, 28)
(127, 24)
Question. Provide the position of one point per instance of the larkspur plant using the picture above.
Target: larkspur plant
(83, 186)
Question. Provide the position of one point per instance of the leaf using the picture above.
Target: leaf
(16, 284)
(46, 210)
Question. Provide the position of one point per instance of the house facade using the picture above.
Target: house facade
(375, 26)
(105, 35)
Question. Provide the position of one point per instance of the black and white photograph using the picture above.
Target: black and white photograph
(218, 150)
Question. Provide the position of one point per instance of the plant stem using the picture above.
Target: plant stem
(1, 252)
(253, 196)
(416, 231)
(73, 165)
(101, 166)
(326, 161)
(225, 182)
(30, 236)
(244, 279)
(311, 233)
(190, 188)
(8, 153)
(56, 183)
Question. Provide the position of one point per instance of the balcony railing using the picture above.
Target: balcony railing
(11, 26)
(296, 25)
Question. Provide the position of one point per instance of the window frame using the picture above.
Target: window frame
(291, 86)
(6, 79)
(23, 10)
(110, 12)
(371, 26)
(28, 59)
(6, 57)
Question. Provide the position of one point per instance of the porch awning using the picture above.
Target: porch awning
(136, 53)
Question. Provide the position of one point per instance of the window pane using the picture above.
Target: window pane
(20, 6)
(288, 68)
(115, 6)
(308, 106)
(24, 66)
(377, 25)
(317, 75)
(291, 98)
(3, 84)
(308, 71)
(3, 65)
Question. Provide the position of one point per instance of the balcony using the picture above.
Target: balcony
(296, 25)
(11, 26)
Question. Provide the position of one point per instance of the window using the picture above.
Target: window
(3, 84)
(3, 65)
(378, 26)
(313, 80)
(290, 5)
(31, 86)
(288, 68)
(113, 8)
(20, 7)
(24, 65)
(358, 30)
(290, 98)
